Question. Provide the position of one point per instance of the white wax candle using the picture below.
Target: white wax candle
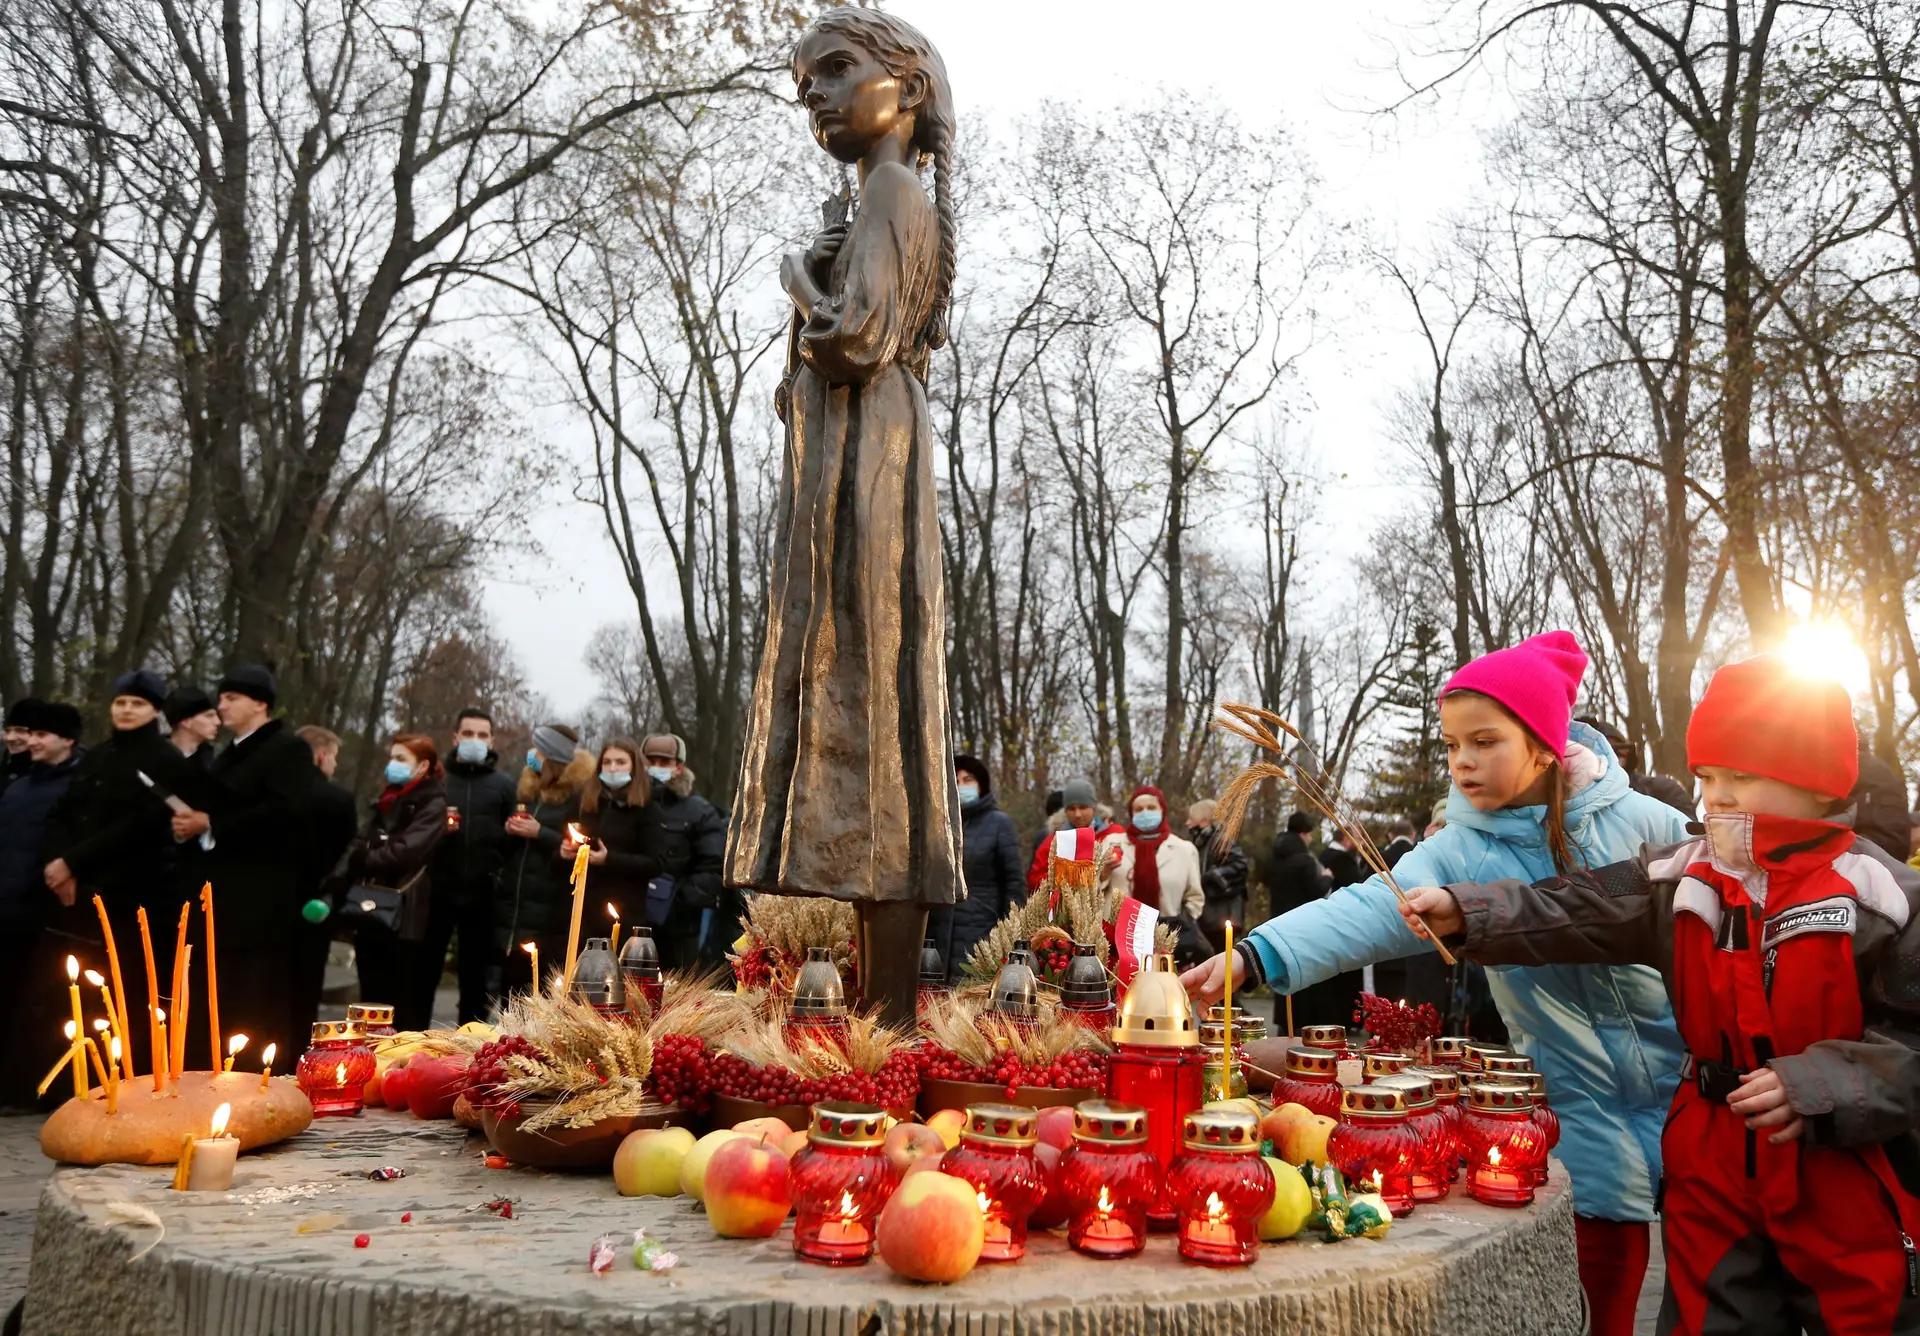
(213, 1161)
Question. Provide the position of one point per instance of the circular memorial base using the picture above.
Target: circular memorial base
(117, 1251)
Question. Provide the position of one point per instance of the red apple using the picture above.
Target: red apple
(931, 1228)
(1052, 1209)
(393, 1085)
(433, 1084)
(1055, 1126)
(746, 1187)
(908, 1142)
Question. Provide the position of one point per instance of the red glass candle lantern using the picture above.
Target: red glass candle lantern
(819, 1007)
(1311, 1079)
(1474, 1056)
(1504, 1151)
(1497, 1065)
(1220, 1187)
(995, 1155)
(1332, 1038)
(1374, 1146)
(839, 1181)
(1157, 1062)
(1086, 993)
(1219, 1078)
(1379, 1064)
(373, 1019)
(1446, 1097)
(1109, 1177)
(1439, 1151)
(1449, 1050)
(334, 1071)
(1544, 1118)
(640, 970)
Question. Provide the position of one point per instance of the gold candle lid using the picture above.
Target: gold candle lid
(1477, 1052)
(1001, 1124)
(1373, 1101)
(1386, 1064)
(1324, 1036)
(1532, 1082)
(1221, 1130)
(1109, 1122)
(1246, 1027)
(1499, 1097)
(329, 1030)
(1506, 1064)
(1156, 1012)
(1312, 1062)
(1451, 1047)
(1419, 1089)
(837, 1123)
(1446, 1081)
(370, 1013)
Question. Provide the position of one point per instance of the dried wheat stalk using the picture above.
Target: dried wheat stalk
(1251, 722)
(591, 1066)
(964, 1023)
(763, 1041)
(693, 1004)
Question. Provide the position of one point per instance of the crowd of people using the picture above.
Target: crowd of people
(457, 856)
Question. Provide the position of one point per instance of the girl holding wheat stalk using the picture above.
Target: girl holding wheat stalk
(1533, 793)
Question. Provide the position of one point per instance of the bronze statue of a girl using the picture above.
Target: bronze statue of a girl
(847, 782)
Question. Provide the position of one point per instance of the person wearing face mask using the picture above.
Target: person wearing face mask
(394, 849)
(467, 866)
(1159, 867)
(691, 846)
(533, 901)
(612, 810)
(991, 860)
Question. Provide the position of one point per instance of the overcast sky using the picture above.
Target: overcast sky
(1314, 68)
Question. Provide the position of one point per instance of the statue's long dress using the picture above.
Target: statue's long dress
(847, 785)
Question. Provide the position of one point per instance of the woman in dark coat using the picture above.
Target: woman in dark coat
(613, 810)
(408, 820)
(994, 869)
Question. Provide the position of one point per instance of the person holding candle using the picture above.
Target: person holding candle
(1788, 942)
(612, 811)
(533, 901)
(1532, 793)
(692, 849)
(406, 823)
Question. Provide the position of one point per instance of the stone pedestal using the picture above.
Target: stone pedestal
(276, 1257)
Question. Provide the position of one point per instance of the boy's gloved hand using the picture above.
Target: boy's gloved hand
(1437, 906)
(1762, 1101)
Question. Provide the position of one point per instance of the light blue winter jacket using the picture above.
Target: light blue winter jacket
(1603, 1034)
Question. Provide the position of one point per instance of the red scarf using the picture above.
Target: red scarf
(392, 795)
(1146, 850)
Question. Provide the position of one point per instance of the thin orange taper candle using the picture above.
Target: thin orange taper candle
(213, 979)
(79, 1029)
(177, 998)
(158, 1054)
(182, 1012)
(122, 1022)
(160, 1051)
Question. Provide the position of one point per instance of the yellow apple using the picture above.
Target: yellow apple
(693, 1169)
(932, 1228)
(773, 1129)
(949, 1123)
(1304, 1140)
(648, 1162)
(1292, 1203)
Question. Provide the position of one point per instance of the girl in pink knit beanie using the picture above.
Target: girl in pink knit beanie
(1504, 718)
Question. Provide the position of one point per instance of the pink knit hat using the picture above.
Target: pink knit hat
(1538, 680)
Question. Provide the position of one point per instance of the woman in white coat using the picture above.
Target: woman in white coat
(1156, 865)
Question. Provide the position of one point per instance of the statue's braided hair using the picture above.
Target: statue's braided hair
(904, 49)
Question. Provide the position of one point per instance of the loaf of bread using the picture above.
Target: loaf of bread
(149, 1128)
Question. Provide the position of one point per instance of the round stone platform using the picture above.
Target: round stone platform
(276, 1257)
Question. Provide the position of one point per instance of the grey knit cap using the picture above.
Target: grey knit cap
(551, 743)
(1077, 793)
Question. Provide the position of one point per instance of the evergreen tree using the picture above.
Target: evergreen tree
(1412, 773)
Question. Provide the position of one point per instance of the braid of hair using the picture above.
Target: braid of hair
(941, 145)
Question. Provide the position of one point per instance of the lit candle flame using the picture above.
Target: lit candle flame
(1376, 1180)
(235, 1044)
(340, 1074)
(220, 1116)
(99, 1024)
(1105, 1203)
(847, 1208)
(93, 977)
(160, 1013)
(71, 1032)
(73, 970)
(266, 1058)
(1214, 1209)
(612, 913)
(574, 833)
(1493, 1156)
(113, 1047)
(529, 947)
(986, 1205)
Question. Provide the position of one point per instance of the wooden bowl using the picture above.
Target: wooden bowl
(731, 1112)
(589, 1148)
(936, 1095)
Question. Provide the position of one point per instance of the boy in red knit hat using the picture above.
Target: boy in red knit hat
(1792, 953)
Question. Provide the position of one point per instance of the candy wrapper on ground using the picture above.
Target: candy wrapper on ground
(1367, 1217)
(649, 1254)
(1343, 1217)
(601, 1253)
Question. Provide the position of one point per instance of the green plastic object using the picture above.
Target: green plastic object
(315, 911)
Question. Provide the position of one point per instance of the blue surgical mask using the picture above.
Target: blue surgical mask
(471, 750)
(533, 760)
(969, 794)
(615, 779)
(1146, 822)
(660, 774)
(398, 772)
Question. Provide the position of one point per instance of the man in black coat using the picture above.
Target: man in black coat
(333, 819)
(692, 847)
(257, 863)
(1294, 878)
(467, 864)
(991, 862)
(17, 760)
(29, 1040)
